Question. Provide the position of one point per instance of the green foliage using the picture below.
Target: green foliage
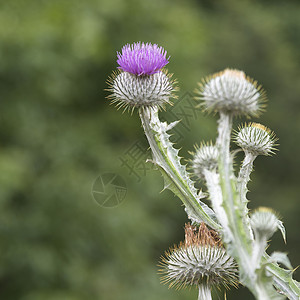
(58, 133)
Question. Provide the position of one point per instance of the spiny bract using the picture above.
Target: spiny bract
(129, 90)
(200, 260)
(256, 138)
(230, 91)
(205, 158)
(264, 222)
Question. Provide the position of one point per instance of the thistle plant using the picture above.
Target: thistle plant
(235, 245)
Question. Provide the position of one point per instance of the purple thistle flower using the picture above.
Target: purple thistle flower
(142, 59)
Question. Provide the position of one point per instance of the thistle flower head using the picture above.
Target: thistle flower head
(256, 139)
(201, 259)
(264, 222)
(129, 90)
(205, 158)
(142, 59)
(232, 92)
(140, 82)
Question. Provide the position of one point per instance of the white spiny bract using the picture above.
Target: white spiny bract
(205, 158)
(264, 222)
(130, 90)
(256, 139)
(195, 265)
(200, 260)
(230, 91)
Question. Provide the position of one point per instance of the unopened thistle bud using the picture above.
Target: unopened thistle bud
(140, 81)
(256, 139)
(231, 92)
(200, 261)
(264, 222)
(205, 158)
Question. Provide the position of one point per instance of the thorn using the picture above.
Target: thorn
(151, 161)
(171, 125)
(165, 187)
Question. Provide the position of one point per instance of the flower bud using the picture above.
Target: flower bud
(231, 92)
(264, 222)
(200, 260)
(256, 139)
(205, 158)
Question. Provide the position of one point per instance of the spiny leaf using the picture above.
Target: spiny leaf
(281, 257)
(177, 179)
(283, 279)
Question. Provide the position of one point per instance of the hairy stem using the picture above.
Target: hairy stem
(240, 244)
(212, 180)
(244, 175)
(243, 179)
(258, 250)
(228, 184)
(204, 292)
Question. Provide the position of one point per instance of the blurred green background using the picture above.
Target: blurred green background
(58, 133)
